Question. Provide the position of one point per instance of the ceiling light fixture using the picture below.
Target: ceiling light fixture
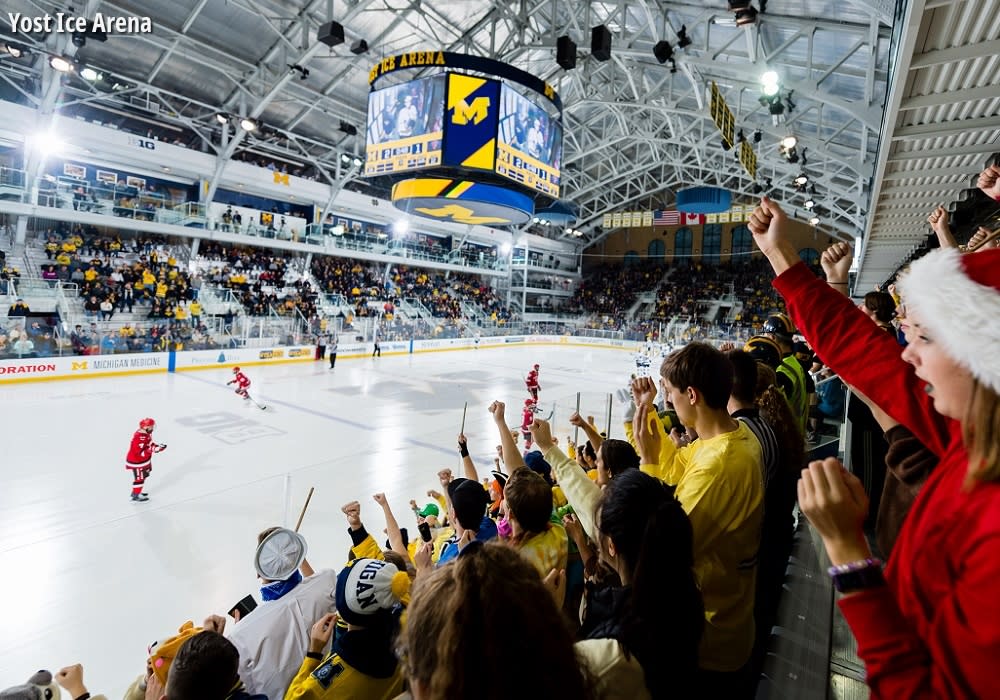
(814, 220)
(746, 17)
(15, 50)
(248, 124)
(802, 180)
(222, 118)
(61, 63)
(789, 142)
(809, 204)
(89, 73)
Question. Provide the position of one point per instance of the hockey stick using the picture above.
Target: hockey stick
(991, 236)
(552, 412)
(464, 412)
(304, 507)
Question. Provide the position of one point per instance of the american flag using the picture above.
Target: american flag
(666, 218)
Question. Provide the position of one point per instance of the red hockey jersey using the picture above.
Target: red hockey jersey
(242, 381)
(528, 417)
(140, 452)
(532, 380)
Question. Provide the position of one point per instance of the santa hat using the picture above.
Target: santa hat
(957, 298)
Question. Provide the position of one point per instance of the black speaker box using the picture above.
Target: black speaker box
(566, 53)
(331, 33)
(600, 43)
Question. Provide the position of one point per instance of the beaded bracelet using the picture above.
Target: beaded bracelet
(857, 575)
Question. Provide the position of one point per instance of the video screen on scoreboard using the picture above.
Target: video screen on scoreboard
(529, 148)
(405, 126)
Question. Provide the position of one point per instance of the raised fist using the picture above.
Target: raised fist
(836, 262)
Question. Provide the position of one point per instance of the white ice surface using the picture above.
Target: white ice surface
(88, 576)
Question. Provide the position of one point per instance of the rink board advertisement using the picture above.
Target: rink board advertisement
(207, 359)
(81, 367)
(94, 366)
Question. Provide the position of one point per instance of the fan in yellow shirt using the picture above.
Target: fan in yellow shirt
(719, 483)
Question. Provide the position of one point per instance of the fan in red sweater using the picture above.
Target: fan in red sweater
(139, 459)
(931, 627)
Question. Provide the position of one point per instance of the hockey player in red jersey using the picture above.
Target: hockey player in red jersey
(242, 383)
(140, 457)
(527, 418)
(532, 383)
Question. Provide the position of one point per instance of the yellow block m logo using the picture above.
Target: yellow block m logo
(79, 365)
(476, 112)
(280, 178)
(461, 215)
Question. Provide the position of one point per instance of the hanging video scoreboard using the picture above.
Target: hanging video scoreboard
(454, 120)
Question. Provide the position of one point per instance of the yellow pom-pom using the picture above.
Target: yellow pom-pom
(401, 587)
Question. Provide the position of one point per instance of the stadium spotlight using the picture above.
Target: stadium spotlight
(769, 83)
(747, 16)
(222, 117)
(788, 142)
(344, 158)
(663, 51)
(809, 203)
(15, 50)
(248, 124)
(683, 40)
(505, 248)
(400, 227)
(357, 162)
(61, 63)
(89, 73)
(814, 220)
(802, 180)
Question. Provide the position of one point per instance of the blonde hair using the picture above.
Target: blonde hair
(981, 434)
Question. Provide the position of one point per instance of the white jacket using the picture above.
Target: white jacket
(274, 638)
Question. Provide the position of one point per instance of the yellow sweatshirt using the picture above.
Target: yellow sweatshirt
(719, 485)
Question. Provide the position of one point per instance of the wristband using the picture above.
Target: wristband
(463, 449)
(857, 575)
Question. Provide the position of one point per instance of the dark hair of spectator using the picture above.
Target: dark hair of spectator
(652, 534)
(702, 367)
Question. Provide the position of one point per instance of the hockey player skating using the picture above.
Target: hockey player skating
(139, 459)
(527, 418)
(242, 383)
(532, 382)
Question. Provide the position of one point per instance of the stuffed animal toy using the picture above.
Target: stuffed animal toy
(41, 686)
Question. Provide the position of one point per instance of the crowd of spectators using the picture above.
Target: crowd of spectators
(260, 278)
(609, 290)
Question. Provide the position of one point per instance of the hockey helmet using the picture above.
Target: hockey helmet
(236, 370)
(147, 423)
(537, 367)
(763, 349)
(529, 402)
(779, 325)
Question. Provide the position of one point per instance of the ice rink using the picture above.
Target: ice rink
(89, 576)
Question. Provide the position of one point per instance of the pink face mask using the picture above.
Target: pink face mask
(504, 529)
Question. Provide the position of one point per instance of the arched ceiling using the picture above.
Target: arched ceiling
(635, 130)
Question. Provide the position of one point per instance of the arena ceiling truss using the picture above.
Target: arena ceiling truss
(635, 130)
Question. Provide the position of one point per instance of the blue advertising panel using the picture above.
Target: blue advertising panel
(470, 129)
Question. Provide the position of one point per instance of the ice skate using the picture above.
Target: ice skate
(140, 497)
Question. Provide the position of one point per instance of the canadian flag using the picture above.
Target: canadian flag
(694, 219)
